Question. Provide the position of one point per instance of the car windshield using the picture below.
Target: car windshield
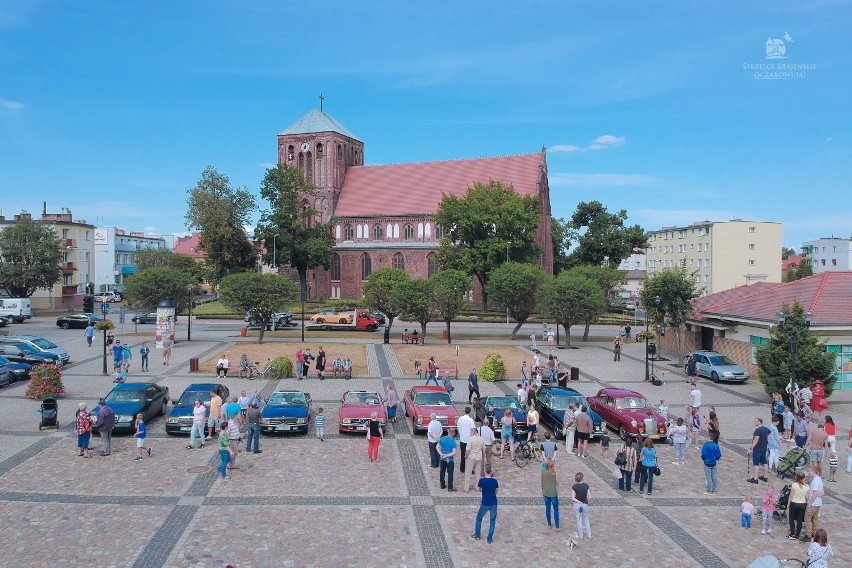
(361, 398)
(721, 360)
(562, 402)
(44, 343)
(125, 395)
(286, 399)
(27, 348)
(433, 399)
(504, 402)
(188, 398)
(631, 402)
(4, 361)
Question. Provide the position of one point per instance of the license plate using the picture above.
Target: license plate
(283, 427)
(361, 428)
(185, 428)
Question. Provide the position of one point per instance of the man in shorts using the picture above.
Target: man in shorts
(584, 432)
(532, 421)
(214, 420)
(759, 446)
(816, 444)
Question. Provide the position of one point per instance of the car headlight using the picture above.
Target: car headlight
(641, 430)
(124, 418)
(727, 374)
(420, 420)
(302, 421)
(171, 420)
(265, 420)
(634, 423)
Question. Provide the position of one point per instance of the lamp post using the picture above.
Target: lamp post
(303, 294)
(507, 262)
(794, 350)
(189, 318)
(104, 300)
(647, 334)
(275, 253)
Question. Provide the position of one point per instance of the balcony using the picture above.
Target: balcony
(69, 290)
(68, 268)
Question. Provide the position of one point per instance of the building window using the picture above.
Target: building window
(360, 232)
(823, 261)
(431, 265)
(337, 232)
(752, 262)
(335, 266)
(378, 233)
(396, 231)
(420, 230)
(408, 232)
(366, 266)
(399, 261)
(301, 161)
(833, 261)
(752, 229)
(439, 232)
(340, 153)
(389, 233)
(348, 233)
(428, 230)
(752, 246)
(319, 151)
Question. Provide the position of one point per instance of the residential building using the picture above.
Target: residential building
(721, 255)
(636, 261)
(114, 256)
(792, 262)
(828, 253)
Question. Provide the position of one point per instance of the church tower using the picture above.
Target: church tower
(324, 149)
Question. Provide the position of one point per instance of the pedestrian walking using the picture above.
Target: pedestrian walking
(84, 431)
(214, 420)
(431, 371)
(551, 336)
(168, 342)
(253, 418)
(691, 367)
(649, 462)
(472, 385)
(143, 355)
(758, 451)
(126, 357)
(140, 435)
(625, 459)
(319, 420)
(199, 416)
(581, 493)
(488, 486)
(225, 451)
(710, 455)
(235, 437)
(434, 430)
(447, 451)
(549, 487)
(374, 437)
(464, 424)
(447, 382)
(816, 444)
(616, 349)
(117, 354)
(105, 424)
(472, 457)
(831, 432)
(90, 333)
(300, 363)
(525, 375)
(533, 340)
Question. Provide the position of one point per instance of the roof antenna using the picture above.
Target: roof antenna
(321, 99)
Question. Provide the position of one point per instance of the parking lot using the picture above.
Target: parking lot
(303, 502)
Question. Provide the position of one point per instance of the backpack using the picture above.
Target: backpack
(621, 458)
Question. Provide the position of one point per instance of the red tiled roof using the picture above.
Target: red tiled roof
(828, 296)
(792, 260)
(403, 189)
(711, 302)
(189, 246)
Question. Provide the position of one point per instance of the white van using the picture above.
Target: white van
(16, 308)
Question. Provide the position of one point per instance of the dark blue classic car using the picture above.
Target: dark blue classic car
(17, 371)
(129, 399)
(552, 402)
(286, 411)
(495, 407)
(179, 420)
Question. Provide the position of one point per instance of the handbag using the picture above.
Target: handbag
(657, 471)
(621, 458)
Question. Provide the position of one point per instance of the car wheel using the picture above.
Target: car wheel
(319, 320)
(344, 320)
(715, 377)
(622, 433)
(406, 413)
(65, 325)
(164, 408)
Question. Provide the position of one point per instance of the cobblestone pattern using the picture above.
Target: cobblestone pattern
(700, 553)
(157, 551)
(373, 362)
(392, 360)
(435, 548)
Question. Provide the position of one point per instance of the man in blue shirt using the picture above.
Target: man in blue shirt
(447, 451)
(117, 354)
(759, 445)
(710, 455)
(488, 485)
(90, 333)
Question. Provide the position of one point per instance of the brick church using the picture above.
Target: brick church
(381, 216)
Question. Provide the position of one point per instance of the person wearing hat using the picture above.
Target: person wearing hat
(253, 416)
(105, 425)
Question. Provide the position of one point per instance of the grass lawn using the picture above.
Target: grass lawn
(263, 351)
(469, 357)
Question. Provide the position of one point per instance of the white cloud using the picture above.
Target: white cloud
(609, 139)
(602, 142)
(565, 148)
(600, 180)
(13, 105)
(266, 165)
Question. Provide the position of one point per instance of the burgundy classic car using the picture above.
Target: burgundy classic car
(356, 407)
(629, 413)
(421, 401)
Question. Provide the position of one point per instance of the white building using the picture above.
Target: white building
(828, 253)
(114, 250)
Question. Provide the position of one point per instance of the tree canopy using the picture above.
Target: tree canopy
(570, 299)
(609, 279)
(787, 252)
(159, 258)
(485, 226)
(413, 301)
(562, 236)
(449, 290)
(378, 290)
(676, 288)
(147, 288)
(515, 286)
(30, 258)
(259, 295)
(602, 237)
(221, 214)
(803, 270)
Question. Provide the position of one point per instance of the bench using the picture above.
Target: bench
(412, 338)
(453, 369)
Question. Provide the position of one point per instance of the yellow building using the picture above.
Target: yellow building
(721, 255)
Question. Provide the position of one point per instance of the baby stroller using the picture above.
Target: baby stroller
(781, 504)
(773, 562)
(795, 460)
(49, 414)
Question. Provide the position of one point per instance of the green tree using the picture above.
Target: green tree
(676, 289)
(221, 213)
(485, 226)
(413, 301)
(147, 288)
(378, 290)
(602, 236)
(787, 253)
(803, 270)
(610, 281)
(259, 295)
(570, 299)
(775, 359)
(301, 242)
(30, 258)
(159, 258)
(562, 236)
(515, 286)
(449, 290)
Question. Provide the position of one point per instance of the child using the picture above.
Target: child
(140, 438)
(832, 466)
(604, 445)
(767, 509)
(224, 449)
(746, 509)
(664, 410)
(320, 422)
(788, 423)
(696, 425)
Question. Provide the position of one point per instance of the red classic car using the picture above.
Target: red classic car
(629, 413)
(421, 401)
(356, 407)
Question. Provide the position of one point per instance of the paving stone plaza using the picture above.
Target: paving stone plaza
(303, 502)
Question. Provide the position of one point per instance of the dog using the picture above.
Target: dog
(572, 542)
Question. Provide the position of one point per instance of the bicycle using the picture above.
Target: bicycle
(270, 372)
(527, 450)
(251, 372)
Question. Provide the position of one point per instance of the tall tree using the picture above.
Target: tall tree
(413, 301)
(259, 295)
(562, 236)
(803, 270)
(515, 286)
(301, 241)
(570, 299)
(676, 289)
(147, 288)
(775, 359)
(602, 236)
(221, 213)
(485, 226)
(610, 281)
(378, 290)
(30, 258)
(787, 253)
(160, 258)
(449, 290)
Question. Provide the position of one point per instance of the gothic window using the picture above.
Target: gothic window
(309, 170)
(432, 265)
(335, 266)
(439, 232)
(396, 231)
(366, 266)
(360, 232)
(389, 234)
(340, 153)
(378, 233)
(366, 231)
(337, 232)
(408, 232)
(290, 154)
(319, 151)
(348, 233)
(399, 261)
(301, 161)
(420, 230)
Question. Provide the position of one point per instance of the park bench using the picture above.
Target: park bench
(412, 338)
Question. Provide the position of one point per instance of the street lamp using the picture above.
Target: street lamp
(794, 350)
(647, 334)
(274, 253)
(104, 304)
(303, 294)
(507, 262)
(189, 318)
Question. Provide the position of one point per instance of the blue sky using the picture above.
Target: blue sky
(114, 108)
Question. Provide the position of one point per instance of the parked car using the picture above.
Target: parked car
(552, 403)
(286, 411)
(717, 367)
(74, 321)
(356, 407)
(129, 399)
(495, 407)
(179, 420)
(150, 317)
(18, 371)
(6, 376)
(5, 320)
(629, 413)
(421, 401)
(41, 345)
(278, 319)
(331, 316)
(24, 353)
(379, 317)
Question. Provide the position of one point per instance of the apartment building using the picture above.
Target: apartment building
(828, 253)
(721, 255)
(114, 255)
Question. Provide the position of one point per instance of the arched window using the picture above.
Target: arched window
(337, 232)
(340, 153)
(408, 232)
(301, 161)
(431, 265)
(366, 231)
(419, 230)
(309, 167)
(428, 230)
(319, 151)
(348, 233)
(378, 233)
(399, 261)
(360, 232)
(389, 234)
(396, 231)
(290, 155)
(335, 266)
(366, 266)
(439, 232)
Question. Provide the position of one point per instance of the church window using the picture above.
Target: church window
(396, 231)
(360, 232)
(340, 153)
(290, 154)
(420, 230)
(348, 233)
(335, 266)
(428, 230)
(309, 167)
(439, 232)
(319, 151)
(408, 232)
(399, 261)
(432, 265)
(389, 234)
(378, 233)
(301, 161)
(366, 231)
(366, 266)
(337, 232)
